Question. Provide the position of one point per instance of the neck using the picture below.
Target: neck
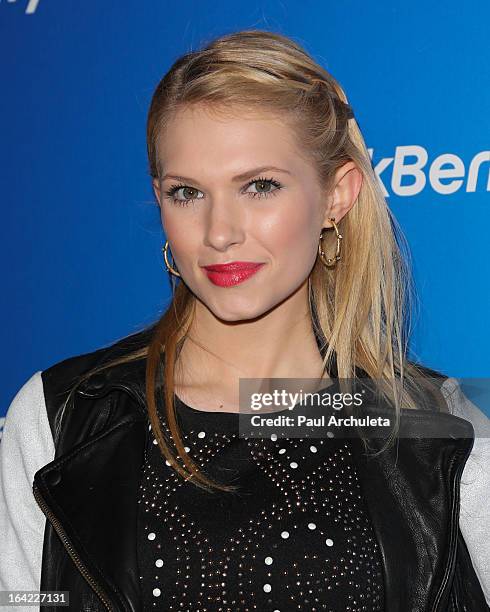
(278, 344)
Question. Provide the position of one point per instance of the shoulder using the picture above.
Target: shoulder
(90, 374)
(59, 377)
(460, 404)
(454, 391)
(26, 406)
(26, 442)
(426, 384)
(28, 395)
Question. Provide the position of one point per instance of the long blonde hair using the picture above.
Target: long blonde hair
(362, 307)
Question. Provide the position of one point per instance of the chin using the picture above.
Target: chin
(237, 310)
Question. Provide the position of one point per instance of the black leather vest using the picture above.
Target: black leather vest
(89, 496)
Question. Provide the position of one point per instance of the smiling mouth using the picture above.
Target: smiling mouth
(228, 275)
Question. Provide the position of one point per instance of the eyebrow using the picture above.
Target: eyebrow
(236, 179)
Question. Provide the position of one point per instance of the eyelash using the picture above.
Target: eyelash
(173, 190)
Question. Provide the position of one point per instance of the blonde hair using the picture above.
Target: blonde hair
(361, 308)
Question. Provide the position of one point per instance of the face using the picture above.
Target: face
(217, 207)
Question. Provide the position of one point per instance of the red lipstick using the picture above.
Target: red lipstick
(233, 273)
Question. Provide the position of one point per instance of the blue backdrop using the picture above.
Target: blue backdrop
(81, 237)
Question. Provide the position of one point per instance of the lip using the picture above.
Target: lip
(232, 273)
(232, 266)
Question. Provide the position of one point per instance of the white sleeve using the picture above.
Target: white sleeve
(26, 446)
(474, 520)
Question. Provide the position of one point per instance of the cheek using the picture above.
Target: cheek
(292, 237)
(182, 235)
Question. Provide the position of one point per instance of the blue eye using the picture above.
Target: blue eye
(187, 190)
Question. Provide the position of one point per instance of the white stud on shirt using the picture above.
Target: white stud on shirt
(179, 530)
(274, 437)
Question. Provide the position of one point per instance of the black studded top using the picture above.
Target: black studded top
(296, 536)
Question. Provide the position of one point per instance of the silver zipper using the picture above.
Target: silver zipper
(71, 551)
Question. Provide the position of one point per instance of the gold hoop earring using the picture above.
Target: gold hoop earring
(167, 264)
(330, 262)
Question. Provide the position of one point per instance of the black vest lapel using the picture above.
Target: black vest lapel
(412, 493)
(89, 496)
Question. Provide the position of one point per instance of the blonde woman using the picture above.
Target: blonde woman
(286, 264)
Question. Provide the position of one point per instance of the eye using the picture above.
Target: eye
(264, 186)
(186, 191)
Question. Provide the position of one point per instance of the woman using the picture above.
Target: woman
(287, 265)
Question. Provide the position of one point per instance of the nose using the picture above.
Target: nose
(224, 224)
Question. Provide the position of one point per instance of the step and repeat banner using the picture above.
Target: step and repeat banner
(81, 235)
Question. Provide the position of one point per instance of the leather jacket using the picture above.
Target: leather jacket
(89, 495)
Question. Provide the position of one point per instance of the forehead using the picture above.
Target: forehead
(202, 137)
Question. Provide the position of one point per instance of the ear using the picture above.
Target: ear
(347, 185)
(157, 190)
